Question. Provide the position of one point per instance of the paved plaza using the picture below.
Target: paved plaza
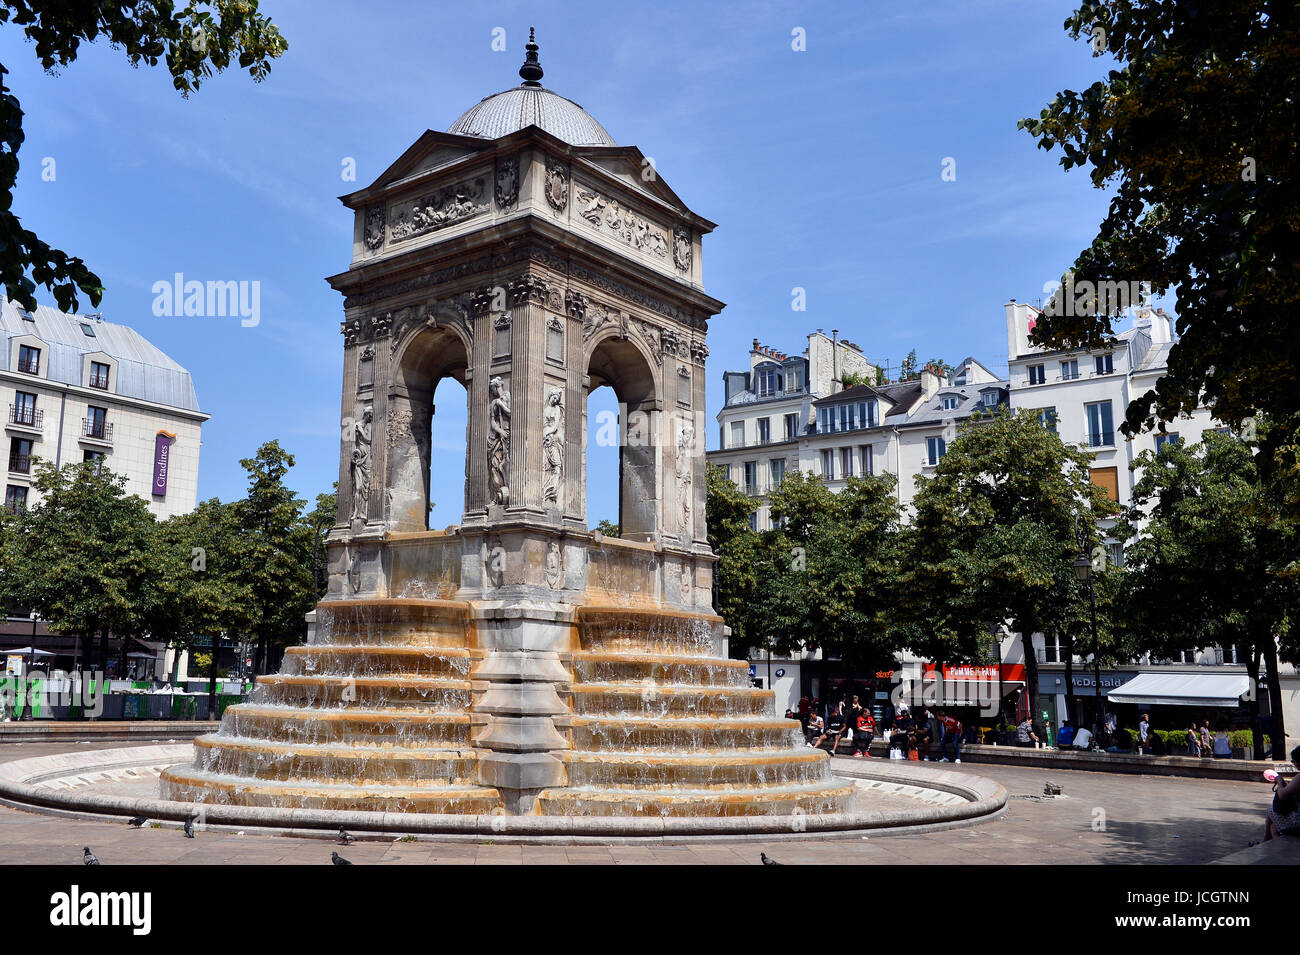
(1100, 818)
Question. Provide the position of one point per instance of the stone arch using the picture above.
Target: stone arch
(622, 364)
(428, 356)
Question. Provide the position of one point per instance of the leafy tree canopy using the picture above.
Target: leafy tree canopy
(194, 41)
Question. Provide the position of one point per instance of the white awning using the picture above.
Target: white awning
(1182, 689)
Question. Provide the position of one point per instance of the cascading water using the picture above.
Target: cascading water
(379, 714)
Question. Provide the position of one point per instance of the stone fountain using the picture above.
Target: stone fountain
(518, 662)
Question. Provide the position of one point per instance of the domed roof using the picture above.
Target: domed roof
(513, 109)
(531, 104)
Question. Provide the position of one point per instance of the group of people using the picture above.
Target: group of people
(909, 737)
(853, 723)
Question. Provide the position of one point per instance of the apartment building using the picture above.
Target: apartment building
(77, 388)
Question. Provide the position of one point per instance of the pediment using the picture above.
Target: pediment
(431, 151)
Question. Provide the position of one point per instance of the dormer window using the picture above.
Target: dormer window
(989, 398)
(99, 375)
(948, 402)
(769, 382)
(29, 360)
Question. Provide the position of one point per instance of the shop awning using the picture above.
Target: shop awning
(1182, 689)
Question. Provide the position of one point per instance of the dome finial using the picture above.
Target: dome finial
(531, 71)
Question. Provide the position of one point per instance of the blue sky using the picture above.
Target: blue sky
(822, 168)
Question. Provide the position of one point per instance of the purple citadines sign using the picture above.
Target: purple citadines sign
(162, 453)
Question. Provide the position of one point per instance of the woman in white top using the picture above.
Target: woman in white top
(1222, 743)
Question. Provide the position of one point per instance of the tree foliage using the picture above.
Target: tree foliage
(194, 41)
(1210, 567)
(1195, 129)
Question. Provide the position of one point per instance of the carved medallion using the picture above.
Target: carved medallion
(557, 185)
(682, 249)
(507, 191)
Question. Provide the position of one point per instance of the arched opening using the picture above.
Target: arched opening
(602, 458)
(619, 365)
(432, 365)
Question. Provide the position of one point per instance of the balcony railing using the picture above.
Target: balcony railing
(751, 489)
(16, 505)
(1099, 439)
(29, 366)
(26, 415)
(96, 428)
(20, 463)
(99, 381)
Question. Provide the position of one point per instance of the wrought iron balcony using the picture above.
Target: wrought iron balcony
(96, 428)
(29, 366)
(99, 381)
(20, 463)
(26, 415)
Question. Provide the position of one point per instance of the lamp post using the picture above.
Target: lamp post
(27, 676)
(1083, 570)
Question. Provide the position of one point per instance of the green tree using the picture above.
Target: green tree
(272, 553)
(735, 579)
(1195, 131)
(609, 528)
(829, 578)
(194, 587)
(994, 537)
(908, 370)
(80, 557)
(194, 42)
(1209, 568)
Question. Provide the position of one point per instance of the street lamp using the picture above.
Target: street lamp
(27, 677)
(1083, 570)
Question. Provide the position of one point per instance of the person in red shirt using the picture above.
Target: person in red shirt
(863, 733)
(951, 734)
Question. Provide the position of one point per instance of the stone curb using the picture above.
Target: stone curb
(60, 731)
(985, 800)
(1129, 763)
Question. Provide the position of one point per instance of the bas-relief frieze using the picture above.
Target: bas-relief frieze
(610, 217)
(447, 206)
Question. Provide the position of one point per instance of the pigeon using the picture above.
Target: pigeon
(137, 822)
(334, 857)
(189, 827)
(345, 838)
(768, 861)
(88, 857)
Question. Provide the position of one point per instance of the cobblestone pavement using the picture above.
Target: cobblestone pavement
(1100, 818)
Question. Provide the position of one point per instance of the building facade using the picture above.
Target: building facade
(76, 388)
(903, 429)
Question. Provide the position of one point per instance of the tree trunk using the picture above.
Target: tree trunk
(1256, 727)
(102, 658)
(1276, 726)
(212, 679)
(1031, 673)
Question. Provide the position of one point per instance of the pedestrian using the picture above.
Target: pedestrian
(815, 726)
(1083, 739)
(1284, 815)
(834, 730)
(805, 707)
(1025, 735)
(951, 737)
(1144, 733)
(863, 734)
(1193, 741)
(1207, 740)
(1222, 741)
(1065, 738)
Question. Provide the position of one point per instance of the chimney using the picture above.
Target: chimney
(1161, 327)
(755, 348)
(930, 383)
